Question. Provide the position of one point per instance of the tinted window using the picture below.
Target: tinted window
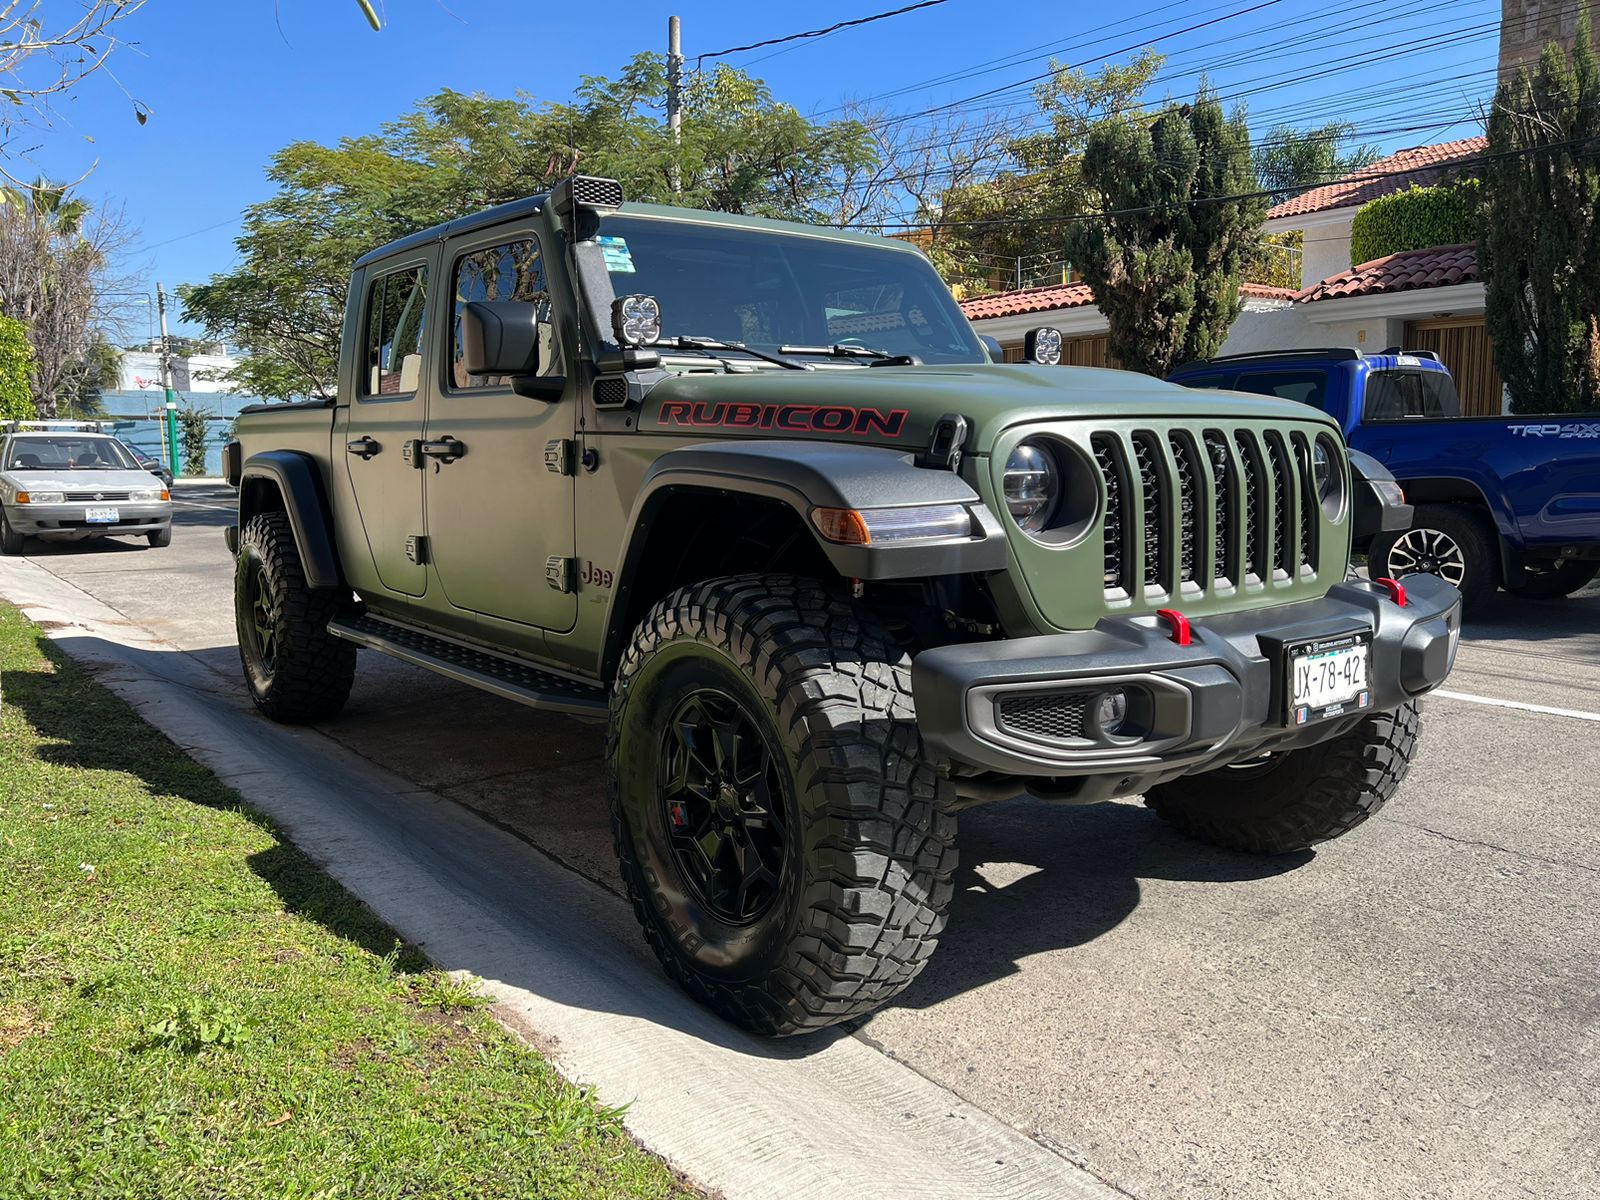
(1206, 381)
(1410, 395)
(772, 289)
(396, 309)
(1308, 387)
(513, 271)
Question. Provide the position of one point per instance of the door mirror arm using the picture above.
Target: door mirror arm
(539, 387)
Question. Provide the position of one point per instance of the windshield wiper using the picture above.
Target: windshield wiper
(708, 344)
(885, 358)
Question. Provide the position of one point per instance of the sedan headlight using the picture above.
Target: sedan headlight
(1032, 486)
(148, 494)
(41, 497)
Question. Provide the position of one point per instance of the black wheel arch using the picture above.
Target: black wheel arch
(289, 481)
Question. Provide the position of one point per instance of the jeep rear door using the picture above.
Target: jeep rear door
(500, 519)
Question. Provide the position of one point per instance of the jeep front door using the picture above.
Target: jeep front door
(499, 518)
(385, 419)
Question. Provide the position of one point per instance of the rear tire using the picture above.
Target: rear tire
(162, 537)
(1448, 540)
(11, 542)
(296, 670)
(836, 910)
(1559, 579)
(1298, 798)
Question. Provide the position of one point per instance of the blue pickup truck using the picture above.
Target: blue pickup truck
(1510, 502)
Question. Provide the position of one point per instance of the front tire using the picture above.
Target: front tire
(1296, 799)
(11, 542)
(1448, 540)
(162, 537)
(296, 670)
(787, 849)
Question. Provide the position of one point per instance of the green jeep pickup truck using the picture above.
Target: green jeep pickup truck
(756, 495)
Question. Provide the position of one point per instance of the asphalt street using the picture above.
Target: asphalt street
(1411, 1011)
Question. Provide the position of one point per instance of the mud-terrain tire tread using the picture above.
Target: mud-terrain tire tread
(1470, 530)
(11, 542)
(1316, 794)
(877, 822)
(314, 670)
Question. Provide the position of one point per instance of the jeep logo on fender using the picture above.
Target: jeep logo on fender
(792, 418)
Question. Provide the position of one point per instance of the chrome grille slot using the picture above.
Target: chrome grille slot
(1054, 715)
(1108, 457)
(1188, 482)
(1283, 511)
(1151, 472)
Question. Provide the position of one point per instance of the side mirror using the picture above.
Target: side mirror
(997, 352)
(501, 337)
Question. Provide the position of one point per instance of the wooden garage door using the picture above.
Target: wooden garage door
(1091, 351)
(1462, 344)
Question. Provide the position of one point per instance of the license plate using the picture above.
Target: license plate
(101, 516)
(1328, 678)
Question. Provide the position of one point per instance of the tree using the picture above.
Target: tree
(741, 152)
(1289, 160)
(55, 256)
(1166, 258)
(1540, 244)
(193, 433)
(16, 370)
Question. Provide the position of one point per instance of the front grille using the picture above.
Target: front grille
(94, 497)
(1258, 486)
(1054, 715)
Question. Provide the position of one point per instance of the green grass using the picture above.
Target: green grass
(189, 1007)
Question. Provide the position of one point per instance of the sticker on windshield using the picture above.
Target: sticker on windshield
(615, 251)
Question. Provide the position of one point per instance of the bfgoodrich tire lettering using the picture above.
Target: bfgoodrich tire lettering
(869, 855)
(295, 669)
(1296, 799)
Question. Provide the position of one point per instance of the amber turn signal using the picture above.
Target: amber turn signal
(843, 525)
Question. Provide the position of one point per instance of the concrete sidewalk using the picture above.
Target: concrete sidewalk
(827, 1117)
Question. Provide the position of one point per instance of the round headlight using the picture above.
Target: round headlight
(1032, 486)
(1327, 472)
(1322, 468)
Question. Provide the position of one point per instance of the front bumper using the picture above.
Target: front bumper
(1205, 704)
(70, 521)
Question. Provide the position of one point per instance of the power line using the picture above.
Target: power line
(816, 33)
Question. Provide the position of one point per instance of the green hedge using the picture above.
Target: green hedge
(1433, 216)
(16, 366)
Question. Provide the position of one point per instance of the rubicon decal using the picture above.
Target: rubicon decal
(792, 418)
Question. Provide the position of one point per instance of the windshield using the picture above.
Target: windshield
(63, 452)
(770, 289)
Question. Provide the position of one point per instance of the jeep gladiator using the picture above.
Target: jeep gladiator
(1510, 502)
(755, 495)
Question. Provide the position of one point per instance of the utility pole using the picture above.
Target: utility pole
(675, 96)
(171, 411)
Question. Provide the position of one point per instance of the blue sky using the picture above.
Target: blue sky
(228, 84)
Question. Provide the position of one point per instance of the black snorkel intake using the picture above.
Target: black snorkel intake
(578, 201)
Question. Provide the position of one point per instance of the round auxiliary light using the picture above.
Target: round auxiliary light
(1111, 712)
(1032, 486)
(636, 320)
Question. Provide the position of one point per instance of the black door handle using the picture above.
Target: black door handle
(445, 449)
(363, 447)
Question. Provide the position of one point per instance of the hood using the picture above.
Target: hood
(82, 481)
(899, 406)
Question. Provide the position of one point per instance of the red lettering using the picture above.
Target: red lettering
(832, 420)
(870, 420)
(795, 417)
(674, 412)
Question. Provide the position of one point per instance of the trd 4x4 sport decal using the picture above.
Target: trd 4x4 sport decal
(792, 418)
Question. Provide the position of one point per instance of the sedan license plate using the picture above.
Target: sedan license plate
(101, 516)
(1328, 678)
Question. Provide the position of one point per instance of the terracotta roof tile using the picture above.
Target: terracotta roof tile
(1423, 166)
(1436, 266)
(1072, 295)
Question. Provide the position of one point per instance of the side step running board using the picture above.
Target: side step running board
(506, 677)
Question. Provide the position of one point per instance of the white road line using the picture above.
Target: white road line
(1575, 714)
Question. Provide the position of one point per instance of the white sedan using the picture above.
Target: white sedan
(69, 484)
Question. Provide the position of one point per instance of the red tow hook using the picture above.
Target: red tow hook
(1177, 625)
(1395, 588)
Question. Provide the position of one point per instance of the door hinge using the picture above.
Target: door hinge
(558, 573)
(558, 456)
(417, 548)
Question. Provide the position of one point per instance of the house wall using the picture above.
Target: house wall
(1285, 326)
(1526, 25)
(1327, 247)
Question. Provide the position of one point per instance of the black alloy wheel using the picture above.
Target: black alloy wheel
(722, 802)
(263, 623)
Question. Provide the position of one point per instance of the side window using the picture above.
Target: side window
(511, 271)
(1399, 395)
(396, 309)
(1307, 387)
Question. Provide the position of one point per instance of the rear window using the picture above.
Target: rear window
(1306, 387)
(1409, 395)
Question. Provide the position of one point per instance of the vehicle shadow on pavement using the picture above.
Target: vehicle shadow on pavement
(1038, 877)
(1506, 617)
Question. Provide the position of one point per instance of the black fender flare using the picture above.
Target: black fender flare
(1372, 512)
(294, 476)
(807, 475)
